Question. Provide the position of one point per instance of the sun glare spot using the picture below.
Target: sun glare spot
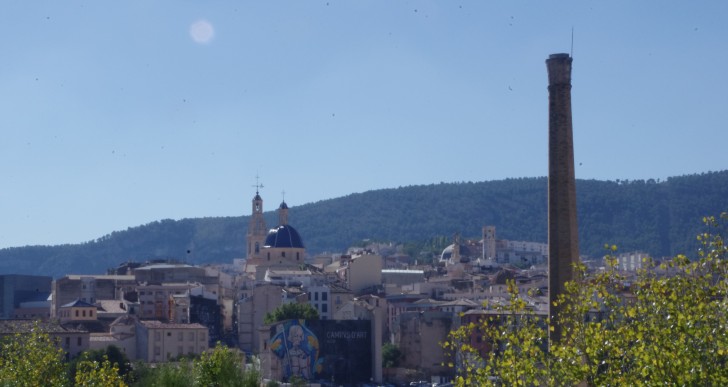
(202, 32)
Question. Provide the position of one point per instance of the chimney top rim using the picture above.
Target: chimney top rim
(559, 56)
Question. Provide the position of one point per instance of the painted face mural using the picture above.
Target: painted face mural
(298, 347)
(323, 350)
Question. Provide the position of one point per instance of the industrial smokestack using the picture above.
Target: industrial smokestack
(563, 234)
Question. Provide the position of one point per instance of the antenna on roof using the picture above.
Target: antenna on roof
(572, 42)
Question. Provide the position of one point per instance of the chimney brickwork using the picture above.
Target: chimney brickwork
(563, 234)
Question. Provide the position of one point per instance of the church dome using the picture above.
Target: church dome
(283, 236)
(283, 206)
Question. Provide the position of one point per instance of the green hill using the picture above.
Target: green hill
(661, 218)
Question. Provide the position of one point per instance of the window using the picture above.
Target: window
(297, 257)
(324, 308)
(324, 296)
(68, 342)
(202, 336)
(283, 253)
(157, 351)
(180, 337)
(84, 313)
(157, 336)
(180, 350)
(315, 296)
(169, 334)
(79, 341)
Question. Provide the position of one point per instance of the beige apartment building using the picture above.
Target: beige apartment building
(161, 342)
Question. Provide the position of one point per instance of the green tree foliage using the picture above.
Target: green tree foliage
(224, 366)
(667, 326)
(98, 374)
(515, 346)
(112, 354)
(165, 374)
(218, 367)
(291, 311)
(31, 359)
(390, 355)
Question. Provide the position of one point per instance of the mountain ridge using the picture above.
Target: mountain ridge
(660, 217)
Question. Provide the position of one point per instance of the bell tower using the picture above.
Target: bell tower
(257, 229)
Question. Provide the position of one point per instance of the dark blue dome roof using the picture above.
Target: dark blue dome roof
(283, 236)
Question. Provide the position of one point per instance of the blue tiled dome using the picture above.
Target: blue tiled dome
(283, 236)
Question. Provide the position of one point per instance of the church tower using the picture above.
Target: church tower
(283, 214)
(257, 229)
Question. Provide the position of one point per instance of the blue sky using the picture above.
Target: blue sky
(116, 114)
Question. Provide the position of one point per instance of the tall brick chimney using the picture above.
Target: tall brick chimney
(563, 234)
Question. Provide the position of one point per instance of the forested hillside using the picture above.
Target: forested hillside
(661, 218)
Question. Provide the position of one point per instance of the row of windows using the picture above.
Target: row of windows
(180, 336)
(324, 296)
(66, 313)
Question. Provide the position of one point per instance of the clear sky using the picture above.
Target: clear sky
(118, 113)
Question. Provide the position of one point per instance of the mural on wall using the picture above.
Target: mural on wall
(325, 350)
(298, 347)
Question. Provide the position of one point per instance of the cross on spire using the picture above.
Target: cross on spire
(258, 184)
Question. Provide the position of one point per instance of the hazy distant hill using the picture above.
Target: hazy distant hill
(659, 217)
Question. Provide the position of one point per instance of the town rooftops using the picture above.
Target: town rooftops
(9, 327)
(154, 324)
(402, 271)
(77, 277)
(157, 266)
(78, 304)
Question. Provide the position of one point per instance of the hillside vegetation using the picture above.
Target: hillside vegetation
(636, 215)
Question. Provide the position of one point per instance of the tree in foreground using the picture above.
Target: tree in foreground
(165, 374)
(669, 325)
(217, 367)
(31, 359)
(224, 366)
(292, 311)
(112, 354)
(98, 374)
